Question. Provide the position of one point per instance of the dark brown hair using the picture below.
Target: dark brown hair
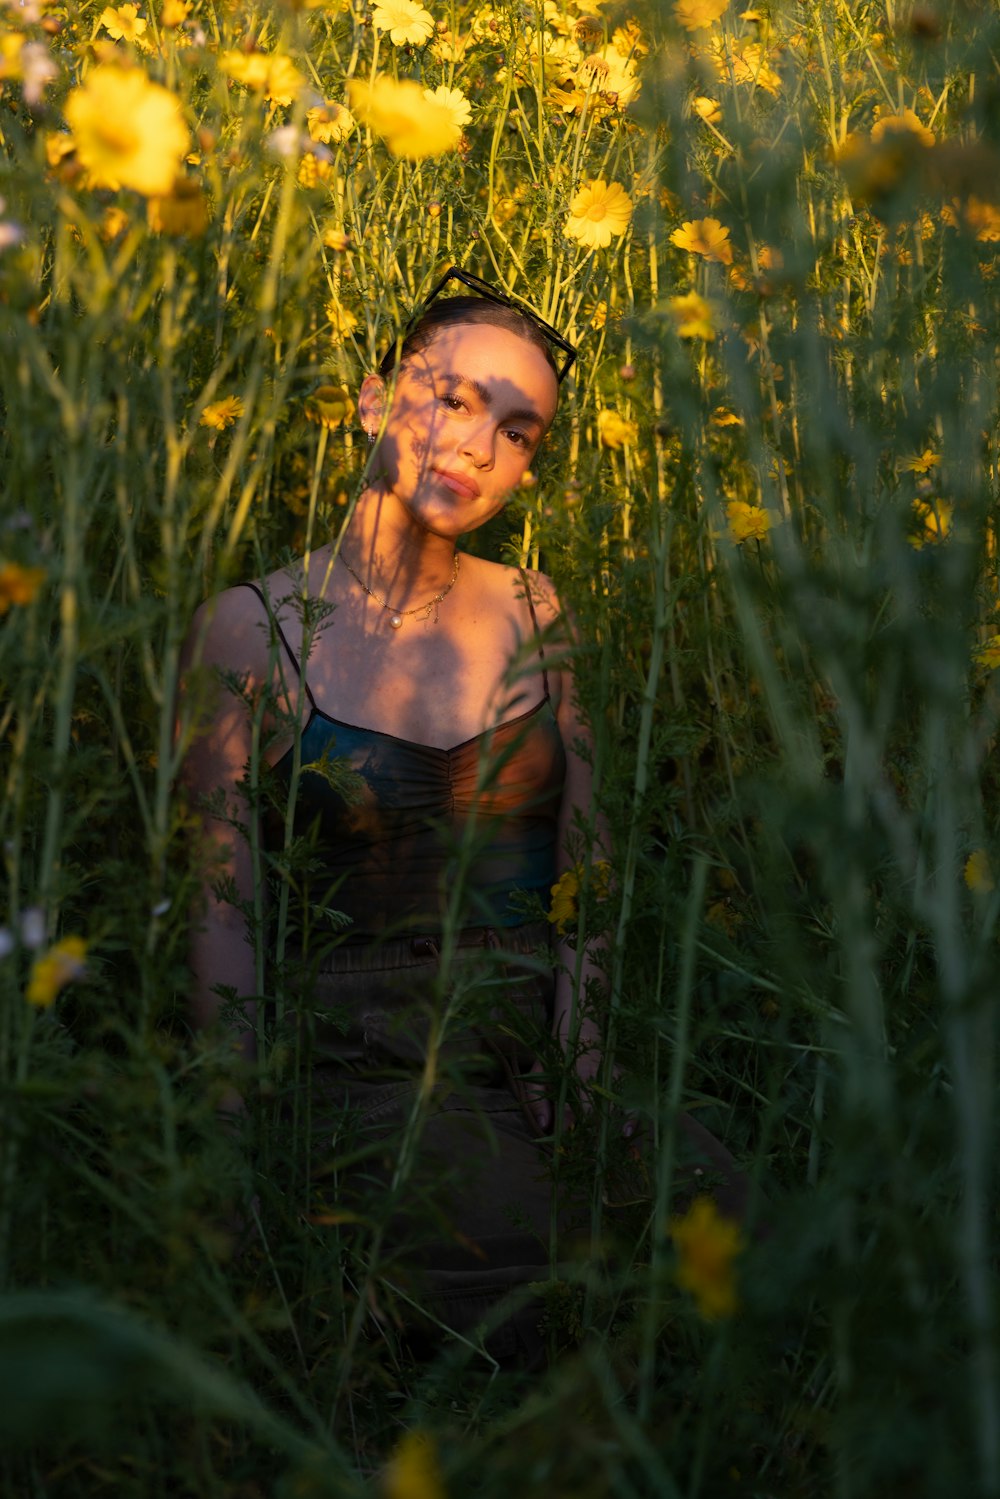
(449, 311)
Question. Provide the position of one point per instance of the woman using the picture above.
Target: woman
(431, 674)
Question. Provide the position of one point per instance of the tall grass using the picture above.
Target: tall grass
(783, 566)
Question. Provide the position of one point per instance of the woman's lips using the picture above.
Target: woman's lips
(468, 489)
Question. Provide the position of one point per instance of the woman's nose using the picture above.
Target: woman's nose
(478, 446)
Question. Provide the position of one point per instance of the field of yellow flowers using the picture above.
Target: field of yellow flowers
(771, 499)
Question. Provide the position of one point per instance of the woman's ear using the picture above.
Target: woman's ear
(371, 404)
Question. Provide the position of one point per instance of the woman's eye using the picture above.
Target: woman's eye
(453, 403)
(520, 439)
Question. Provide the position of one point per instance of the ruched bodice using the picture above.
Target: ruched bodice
(417, 827)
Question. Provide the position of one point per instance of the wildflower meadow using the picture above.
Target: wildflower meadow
(770, 502)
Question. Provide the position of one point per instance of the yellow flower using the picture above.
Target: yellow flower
(721, 417)
(336, 239)
(979, 872)
(55, 969)
(413, 1470)
(598, 213)
(269, 73)
(746, 62)
(174, 13)
(987, 655)
(613, 430)
(125, 24)
(342, 321)
(453, 100)
(329, 123)
(901, 124)
(921, 463)
(565, 892)
(694, 316)
(705, 237)
(222, 414)
(698, 15)
(613, 76)
(407, 23)
(747, 522)
(128, 131)
(19, 585)
(707, 109)
(411, 125)
(933, 522)
(707, 1245)
(330, 405)
(181, 211)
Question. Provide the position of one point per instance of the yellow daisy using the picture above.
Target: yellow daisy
(705, 237)
(411, 125)
(693, 315)
(407, 23)
(128, 131)
(598, 213)
(222, 414)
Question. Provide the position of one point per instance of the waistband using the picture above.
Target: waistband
(503, 944)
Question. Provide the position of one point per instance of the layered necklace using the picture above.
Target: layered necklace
(396, 616)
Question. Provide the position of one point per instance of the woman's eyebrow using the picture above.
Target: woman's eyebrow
(520, 414)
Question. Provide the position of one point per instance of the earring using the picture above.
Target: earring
(371, 436)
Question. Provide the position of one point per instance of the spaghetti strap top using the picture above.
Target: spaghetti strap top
(396, 827)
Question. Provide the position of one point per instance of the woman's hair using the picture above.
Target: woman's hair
(452, 310)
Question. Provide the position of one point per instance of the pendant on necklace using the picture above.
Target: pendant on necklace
(395, 620)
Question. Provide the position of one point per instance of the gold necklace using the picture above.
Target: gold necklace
(396, 616)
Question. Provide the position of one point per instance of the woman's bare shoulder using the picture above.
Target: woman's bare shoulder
(229, 629)
(523, 587)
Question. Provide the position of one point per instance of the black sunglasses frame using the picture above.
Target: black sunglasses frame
(502, 299)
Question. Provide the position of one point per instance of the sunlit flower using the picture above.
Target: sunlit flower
(979, 872)
(988, 655)
(54, 970)
(407, 23)
(598, 213)
(453, 100)
(698, 15)
(342, 321)
(336, 239)
(747, 522)
(125, 25)
(721, 417)
(744, 62)
(222, 414)
(904, 123)
(411, 125)
(174, 13)
(413, 1470)
(693, 315)
(629, 41)
(613, 75)
(707, 1245)
(706, 237)
(128, 131)
(330, 405)
(932, 522)
(19, 585)
(707, 109)
(921, 463)
(269, 73)
(181, 211)
(614, 430)
(329, 123)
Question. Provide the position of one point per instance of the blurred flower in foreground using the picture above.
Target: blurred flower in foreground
(598, 213)
(988, 655)
(613, 430)
(707, 109)
(330, 405)
(174, 13)
(55, 969)
(932, 522)
(979, 873)
(125, 25)
(32, 933)
(342, 321)
(921, 463)
(128, 131)
(698, 15)
(707, 1245)
(905, 123)
(19, 585)
(407, 23)
(693, 315)
(980, 217)
(411, 125)
(222, 414)
(413, 1470)
(272, 74)
(37, 71)
(706, 237)
(747, 522)
(566, 892)
(329, 123)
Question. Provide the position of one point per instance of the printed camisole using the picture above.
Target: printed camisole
(413, 828)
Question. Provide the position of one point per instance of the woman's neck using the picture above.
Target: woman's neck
(395, 556)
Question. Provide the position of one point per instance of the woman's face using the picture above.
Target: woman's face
(467, 415)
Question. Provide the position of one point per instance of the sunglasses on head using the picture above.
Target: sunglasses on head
(490, 294)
